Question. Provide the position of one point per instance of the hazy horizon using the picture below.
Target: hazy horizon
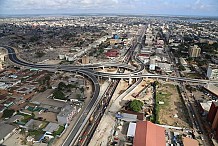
(107, 7)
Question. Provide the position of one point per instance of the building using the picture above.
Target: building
(212, 89)
(149, 134)
(152, 65)
(112, 54)
(66, 114)
(6, 131)
(2, 108)
(85, 59)
(189, 142)
(33, 124)
(131, 130)
(212, 71)
(212, 112)
(51, 127)
(2, 58)
(183, 62)
(194, 51)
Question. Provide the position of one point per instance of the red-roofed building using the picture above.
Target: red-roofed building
(112, 53)
(149, 134)
(190, 142)
(212, 112)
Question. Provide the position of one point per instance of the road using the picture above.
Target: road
(86, 70)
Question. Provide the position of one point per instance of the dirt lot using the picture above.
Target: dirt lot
(172, 112)
(48, 116)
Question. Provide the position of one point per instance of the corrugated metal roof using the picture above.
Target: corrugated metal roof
(131, 130)
(149, 134)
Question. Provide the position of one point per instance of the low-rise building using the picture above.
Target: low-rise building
(189, 142)
(149, 134)
(6, 131)
(152, 65)
(51, 127)
(66, 114)
(183, 62)
(33, 124)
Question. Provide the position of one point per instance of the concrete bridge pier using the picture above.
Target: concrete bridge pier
(167, 79)
(130, 81)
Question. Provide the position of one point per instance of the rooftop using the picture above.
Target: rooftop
(5, 130)
(51, 127)
(149, 134)
(190, 142)
(212, 88)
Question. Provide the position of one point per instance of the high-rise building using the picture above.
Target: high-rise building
(212, 71)
(85, 59)
(194, 51)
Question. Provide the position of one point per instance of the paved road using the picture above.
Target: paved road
(88, 110)
(91, 74)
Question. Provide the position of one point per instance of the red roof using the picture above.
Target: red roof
(146, 55)
(190, 142)
(112, 54)
(3, 97)
(149, 134)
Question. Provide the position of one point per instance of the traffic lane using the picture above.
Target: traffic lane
(83, 117)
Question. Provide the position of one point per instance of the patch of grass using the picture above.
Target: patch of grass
(35, 132)
(44, 124)
(26, 117)
(59, 131)
(193, 75)
(161, 96)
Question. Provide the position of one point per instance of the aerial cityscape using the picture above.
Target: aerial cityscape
(108, 73)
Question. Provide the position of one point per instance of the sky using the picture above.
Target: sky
(142, 7)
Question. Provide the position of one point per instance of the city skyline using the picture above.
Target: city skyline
(147, 7)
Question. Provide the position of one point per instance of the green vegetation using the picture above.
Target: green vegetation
(58, 94)
(35, 133)
(136, 105)
(26, 117)
(209, 48)
(59, 131)
(61, 86)
(181, 67)
(161, 96)
(34, 38)
(44, 124)
(39, 54)
(8, 113)
(193, 75)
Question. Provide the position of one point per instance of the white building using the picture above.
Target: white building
(66, 114)
(152, 64)
(212, 71)
(183, 62)
(194, 51)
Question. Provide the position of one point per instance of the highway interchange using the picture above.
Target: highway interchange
(87, 70)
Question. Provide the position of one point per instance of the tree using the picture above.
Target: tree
(61, 86)
(8, 113)
(136, 105)
(59, 95)
(78, 96)
(81, 89)
(39, 54)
